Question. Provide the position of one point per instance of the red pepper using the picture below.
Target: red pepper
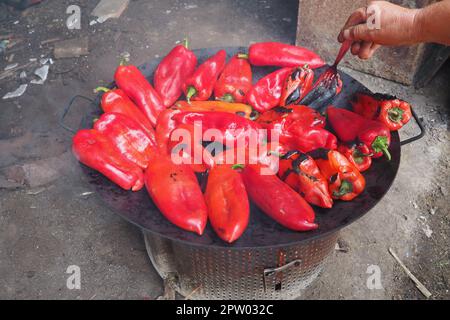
(166, 124)
(227, 201)
(235, 80)
(301, 172)
(327, 86)
(266, 93)
(345, 182)
(391, 111)
(232, 128)
(200, 85)
(96, 151)
(297, 84)
(282, 55)
(172, 72)
(117, 101)
(278, 200)
(267, 155)
(128, 136)
(191, 151)
(350, 126)
(176, 192)
(135, 85)
(297, 128)
(358, 154)
(284, 117)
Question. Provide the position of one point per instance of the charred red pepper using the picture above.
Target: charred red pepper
(235, 80)
(350, 126)
(128, 136)
(117, 101)
(284, 117)
(278, 200)
(301, 172)
(135, 85)
(391, 111)
(282, 55)
(96, 151)
(326, 87)
(231, 127)
(266, 93)
(345, 182)
(297, 84)
(358, 154)
(176, 192)
(172, 72)
(200, 85)
(297, 128)
(227, 201)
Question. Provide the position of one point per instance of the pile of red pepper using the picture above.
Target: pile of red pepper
(131, 142)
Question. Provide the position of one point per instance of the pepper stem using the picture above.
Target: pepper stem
(237, 166)
(380, 144)
(242, 55)
(102, 89)
(186, 43)
(345, 187)
(191, 92)
(395, 114)
(227, 97)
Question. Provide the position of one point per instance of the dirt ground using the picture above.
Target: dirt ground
(48, 221)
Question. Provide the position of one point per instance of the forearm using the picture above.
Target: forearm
(432, 23)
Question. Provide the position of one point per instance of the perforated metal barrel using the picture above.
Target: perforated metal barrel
(224, 273)
(268, 261)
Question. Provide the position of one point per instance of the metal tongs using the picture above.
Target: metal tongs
(328, 85)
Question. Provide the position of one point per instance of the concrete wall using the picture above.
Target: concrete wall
(319, 23)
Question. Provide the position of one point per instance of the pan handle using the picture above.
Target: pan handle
(421, 127)
(67, 109)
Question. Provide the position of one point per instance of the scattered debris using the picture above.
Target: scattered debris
(342, 246)
(72, 48)
(427, 230)
(13, 72)
(418, 284)
(48, 41)
(16, 93)
(190, 6)
(432, 211)
(23, 75)
(87, 193)
(35, 192)
(414, 204)
(11, 66)
(42, 73)
(3, 46)
(107, 9)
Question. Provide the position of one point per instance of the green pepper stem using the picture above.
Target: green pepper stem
(191, 91)
(395, 114)
(237, 166)
(380, 144)
(242, 55)
(344, 188)
(186, 43)
(227, 97)
(102, 89)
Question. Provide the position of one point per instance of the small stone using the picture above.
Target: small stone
(414, 204)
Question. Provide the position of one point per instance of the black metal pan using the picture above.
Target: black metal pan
(138, 208)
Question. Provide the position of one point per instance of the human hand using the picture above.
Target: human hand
(381, 23)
